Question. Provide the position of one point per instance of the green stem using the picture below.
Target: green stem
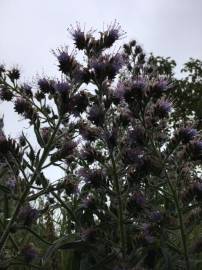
(26, 191)
(120, 212)
(182, 229)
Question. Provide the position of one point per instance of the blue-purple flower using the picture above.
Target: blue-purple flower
(46, 85)
(112, 34)
(28, 215)
(67, 62)
(6, 94)
(187, 134)
(96, 115)
(162, 108)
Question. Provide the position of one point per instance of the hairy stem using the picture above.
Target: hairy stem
(120, 212)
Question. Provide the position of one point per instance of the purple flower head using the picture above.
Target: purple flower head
(46, 86)
(70, 186)
(95, 177)
(116, 63)
(79, 103)
(107, 66)
(136, 202)
(6, 94)
(62, 87)
(4, 144)
(67, 62)
(195, 149)
(159, 87)
(29, 253)
(119, 92)
(135, 90)
(81, 39)
(67, 149)
(21, 105)
(137, 136)
(28, 215)
(88, 133)
(132, 156)
(156, 216)
(14, 74)
(96, 115)
(187, 134)
(27, 90)
(113, 33)
(163, 108)
(88, 153)
(11, 184)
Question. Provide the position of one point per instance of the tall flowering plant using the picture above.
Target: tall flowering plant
(130, 189)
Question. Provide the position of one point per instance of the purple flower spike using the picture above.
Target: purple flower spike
(163, 108)
(187, 134)
(28, 215)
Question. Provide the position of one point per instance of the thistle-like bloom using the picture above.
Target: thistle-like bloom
(135, 90)
(88, 133)
(28, 215)
(46, 85)
(195, 150)
(88, 153)
(162, 108)
(112, 34)
(136, 202)
(132, 156)
(29, 253)
(79, 103)
(6, 94)
(27, 90)
(21, 105)
(107, 66)
(187, 134)
(70, 186)
(67, 62)
(62, 87)
(95, 177)
(156, 216)
(159, 87)
(79, 37)
(96, 115)
(14, 74)
(137, 136)
(11, 184)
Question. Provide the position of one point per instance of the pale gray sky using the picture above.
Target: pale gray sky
(31, 28)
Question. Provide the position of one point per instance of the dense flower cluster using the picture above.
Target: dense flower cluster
(130, 189)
